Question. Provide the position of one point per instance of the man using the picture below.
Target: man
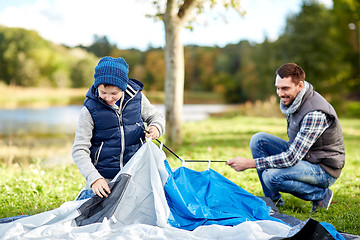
(311, 161)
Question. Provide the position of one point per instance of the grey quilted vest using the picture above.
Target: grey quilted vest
(328, 150)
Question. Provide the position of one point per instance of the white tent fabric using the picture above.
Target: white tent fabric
(141, 214)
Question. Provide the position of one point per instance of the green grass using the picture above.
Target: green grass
(33, 188)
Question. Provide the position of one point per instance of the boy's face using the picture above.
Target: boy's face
(110, 94)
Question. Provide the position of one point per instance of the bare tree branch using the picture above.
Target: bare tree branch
(186, 8)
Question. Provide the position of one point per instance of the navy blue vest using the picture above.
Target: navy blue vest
(116, 137)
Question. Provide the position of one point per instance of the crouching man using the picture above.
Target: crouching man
(311, 161)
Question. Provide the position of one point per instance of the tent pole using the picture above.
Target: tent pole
(175, 153)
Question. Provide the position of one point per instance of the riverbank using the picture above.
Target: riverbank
(63, 119)
(18, 97)
(31, 97)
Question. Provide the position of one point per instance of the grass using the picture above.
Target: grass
(34, 189)
(31, 186)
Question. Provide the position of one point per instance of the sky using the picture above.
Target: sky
(124, 22)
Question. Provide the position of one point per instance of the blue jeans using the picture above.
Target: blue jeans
(87, 193)
(305, 180)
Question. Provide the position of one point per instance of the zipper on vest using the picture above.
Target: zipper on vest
(122, 141)
(97, 154)
(132, 95)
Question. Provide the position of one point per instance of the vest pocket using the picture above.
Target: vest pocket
(97, 154)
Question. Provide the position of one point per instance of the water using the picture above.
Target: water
(64, 119)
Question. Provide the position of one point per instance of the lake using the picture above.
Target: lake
(64, 119)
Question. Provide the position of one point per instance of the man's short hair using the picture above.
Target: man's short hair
(292, 70)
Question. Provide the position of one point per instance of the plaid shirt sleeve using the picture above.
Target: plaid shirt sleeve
(312, 126)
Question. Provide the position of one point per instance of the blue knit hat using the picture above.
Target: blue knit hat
(113, 71)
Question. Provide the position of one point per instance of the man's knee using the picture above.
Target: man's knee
(257, 143)
(256, 139)
(270, 177)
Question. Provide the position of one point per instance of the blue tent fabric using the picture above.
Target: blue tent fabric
(331, 229)
(207, 197)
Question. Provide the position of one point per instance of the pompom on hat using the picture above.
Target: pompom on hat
(113, 71)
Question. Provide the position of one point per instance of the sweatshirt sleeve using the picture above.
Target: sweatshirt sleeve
(81, 147)
(152, 116)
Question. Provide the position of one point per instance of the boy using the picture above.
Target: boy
(107, 135)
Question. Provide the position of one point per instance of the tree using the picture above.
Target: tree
(241, 85)
(310, 39)
(200, 77)
(347, 22)
(175, 15)
(155, 69)
(28, 60)
(101, 46)
(18, 48)
(82, 71)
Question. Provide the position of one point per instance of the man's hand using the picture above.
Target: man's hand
(100, 188)
(153, 132)
(241, 164)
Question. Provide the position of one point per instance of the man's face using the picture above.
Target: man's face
(110, 94)
(287, 90)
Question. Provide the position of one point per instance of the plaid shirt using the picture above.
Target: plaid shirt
(312, 126)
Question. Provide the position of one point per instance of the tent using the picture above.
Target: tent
(151, 201)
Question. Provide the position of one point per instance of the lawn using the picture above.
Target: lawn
(31, 184)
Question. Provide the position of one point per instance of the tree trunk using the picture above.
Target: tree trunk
(174, 19)
(174, 80)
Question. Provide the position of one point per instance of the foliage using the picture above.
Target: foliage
(28, 60)
(317, 38)
(240, 87)
(154, 70)
(82, 72)
(18, 50)
(347, 23)
(310, 40)
(37, 187)
(101, 46)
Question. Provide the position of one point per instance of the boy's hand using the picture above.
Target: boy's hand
(100, 188)
(153, 132)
